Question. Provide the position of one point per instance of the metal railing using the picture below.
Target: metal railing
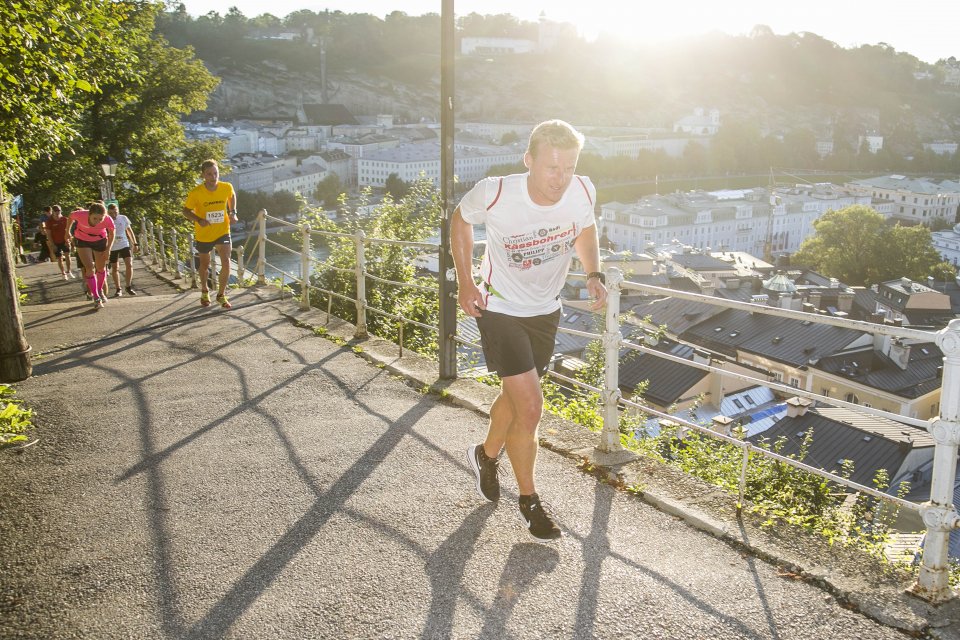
(938, 514)
(177, 257)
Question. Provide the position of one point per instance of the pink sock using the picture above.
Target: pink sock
(92, 286)
(101, 278)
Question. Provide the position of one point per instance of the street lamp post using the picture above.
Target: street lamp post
(109, 168)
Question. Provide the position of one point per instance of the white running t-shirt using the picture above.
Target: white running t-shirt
(529, 246)
(120, 240)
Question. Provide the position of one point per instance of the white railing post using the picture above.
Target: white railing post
(939, 514)
(153, 243)
(192, 260)
(241, 268)
(262, 252)
(176, 252)
(305, 268)
(163, 249)
(143, 239)
(361, 268)
(610, 436)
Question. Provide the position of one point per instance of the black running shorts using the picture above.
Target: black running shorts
(116, 254)
(96, 245)
(513, 345)
(205, 247)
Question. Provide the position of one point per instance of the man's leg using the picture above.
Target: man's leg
(223, 252)
(115, 274)
(128, 266)
(202, 270)
(63, 270)
(515, 426)
(515, 418)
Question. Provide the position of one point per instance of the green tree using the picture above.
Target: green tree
(395, 186)
(510, 137)
(328, 191)
(906, 251)
(940, 224)
(844, 245)
(52, 58)
(277, 204)
(136, 120)
(944, 272)
(413, 218)
(856, 246)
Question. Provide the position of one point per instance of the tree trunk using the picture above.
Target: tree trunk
(14, 350)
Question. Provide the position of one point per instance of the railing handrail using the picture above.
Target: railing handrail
(844, 323)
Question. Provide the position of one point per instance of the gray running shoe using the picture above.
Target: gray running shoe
(537, 518)
(485, 469)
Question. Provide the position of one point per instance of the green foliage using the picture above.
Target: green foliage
(21, 288)
(133, 117)
(414, 218)
(780, 492)
(328, 191)
(907, 251)
(577, 406)
(278, 204)
(14, 419)
(856, 246)
(53, 59)
(943, 272)
(744, 74)
(395, 186)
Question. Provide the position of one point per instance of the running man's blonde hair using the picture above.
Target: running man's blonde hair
(555, 133)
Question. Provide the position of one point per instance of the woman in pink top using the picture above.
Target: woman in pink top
(93, 237)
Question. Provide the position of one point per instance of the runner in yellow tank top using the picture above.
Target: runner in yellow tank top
(212, 207)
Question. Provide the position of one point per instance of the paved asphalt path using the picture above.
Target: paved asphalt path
(209, 474)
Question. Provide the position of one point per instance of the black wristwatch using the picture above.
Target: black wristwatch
(599, 275)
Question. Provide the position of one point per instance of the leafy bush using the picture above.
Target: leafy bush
(413, 218)
(780, 492)
(14, 419)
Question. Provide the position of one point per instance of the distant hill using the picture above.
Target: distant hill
(778, 83)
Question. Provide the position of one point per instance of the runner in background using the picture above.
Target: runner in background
(124, 242)
(212, 206)
(93, 234)
(58, 242)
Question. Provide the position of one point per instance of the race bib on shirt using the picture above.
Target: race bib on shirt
(216, 217)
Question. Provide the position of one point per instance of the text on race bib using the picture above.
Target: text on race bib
(214, 217)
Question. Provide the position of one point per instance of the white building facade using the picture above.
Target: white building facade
(914, 201)
(303, 179)
(756, 221)
(410, 162)
(947, 243)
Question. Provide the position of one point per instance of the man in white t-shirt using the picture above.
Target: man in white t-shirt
(535, 222)
(124, 242)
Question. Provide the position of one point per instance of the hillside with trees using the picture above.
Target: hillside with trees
(777, 94)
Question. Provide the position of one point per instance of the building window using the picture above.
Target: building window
(852, 398)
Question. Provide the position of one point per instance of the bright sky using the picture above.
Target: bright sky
(924, 28)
